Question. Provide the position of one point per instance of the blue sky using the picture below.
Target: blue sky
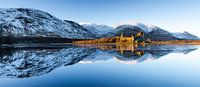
(172, 15)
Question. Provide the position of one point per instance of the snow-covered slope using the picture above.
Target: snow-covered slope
(20, 22)
(150, 31)
(31, 22)
(98, 29)
(145, 28)
(185, 35)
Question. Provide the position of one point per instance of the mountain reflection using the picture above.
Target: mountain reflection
(27, 62)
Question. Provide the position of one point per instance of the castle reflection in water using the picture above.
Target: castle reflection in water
(34, 61)
(121, 48)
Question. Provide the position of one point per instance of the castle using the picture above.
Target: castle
(122, 39)
(130, 39)
(118, 39)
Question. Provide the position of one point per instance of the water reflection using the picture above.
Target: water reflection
(21, 62)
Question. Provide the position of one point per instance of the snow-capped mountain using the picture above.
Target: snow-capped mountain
(20, 22)
(24, 22)
(185, 35)
(150, 32)
(154, 33)
(145, 28)
(98, 29)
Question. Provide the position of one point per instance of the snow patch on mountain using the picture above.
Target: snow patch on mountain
(21, 22)
(97, 29)
(185, 35)
(32, 22)
(146, 28)
(151, 30)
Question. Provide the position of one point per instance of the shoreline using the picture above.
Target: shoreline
(178, 42)
(171, 42)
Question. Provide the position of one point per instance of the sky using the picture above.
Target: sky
(171, 15)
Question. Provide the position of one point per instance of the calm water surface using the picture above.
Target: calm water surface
(100, 65)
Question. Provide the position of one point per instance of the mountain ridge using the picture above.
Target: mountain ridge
(26, 22)
(32, 22)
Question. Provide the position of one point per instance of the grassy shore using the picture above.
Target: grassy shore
(184, 42)
(173, 42)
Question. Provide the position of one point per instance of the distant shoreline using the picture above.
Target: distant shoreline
(178, 42)
(60, 41)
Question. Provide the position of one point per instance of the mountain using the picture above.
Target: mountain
(150, 32)
(97, 29)
(19, 22)
(154, 33)
(185, 35)
(29, 24)
(145, 28)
